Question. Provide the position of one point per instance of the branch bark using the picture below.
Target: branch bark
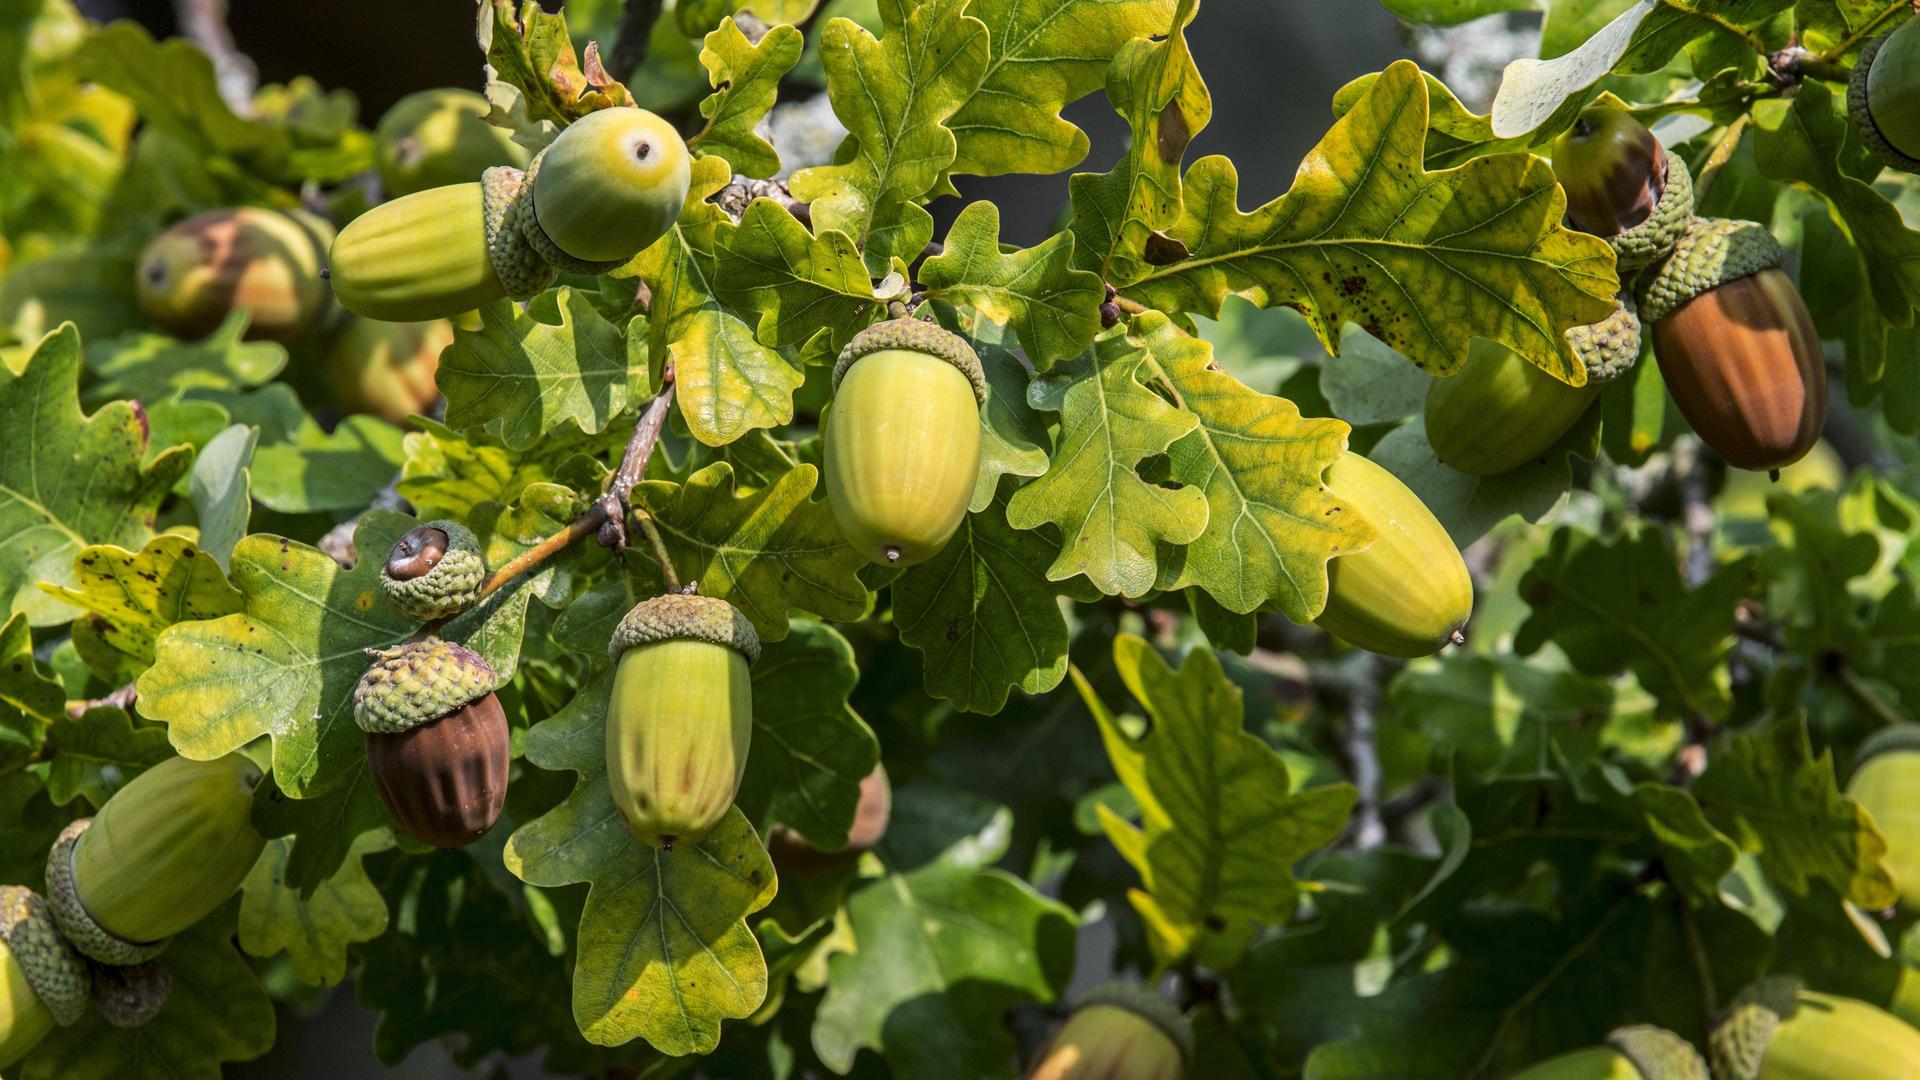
(204, 22)
(630, 41)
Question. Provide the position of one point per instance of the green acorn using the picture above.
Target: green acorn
(1641, 1052)
(386, 368)
(1886, 781)
(1118, 1031)
(194, 274)
(1407, 595)
(43, 982)
(434, 571)
(1777, 1031)
(902, 439)
(438, 137)
(680, 718)
(437, 742)
(1622, 185)
(612, 183)
(1884, 97)
(163, 852)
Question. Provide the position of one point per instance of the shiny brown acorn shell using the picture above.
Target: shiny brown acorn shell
(445, 781)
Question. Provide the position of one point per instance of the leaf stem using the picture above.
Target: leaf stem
(654, 540)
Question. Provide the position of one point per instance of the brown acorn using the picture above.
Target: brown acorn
(794, 856)
(436, 739)
(1622, 185)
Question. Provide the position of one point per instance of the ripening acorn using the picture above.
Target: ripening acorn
(195, 273)
(1886, 783)
(387, 369)
(422, 256)
(1884, 97)
(1736, 346)
(1118, 1031)
(902, 440)
(1623, 186)
(1641, 1052)
(680, 718)
(612, 183)
(1775, 1030)
(437, 137)
(794, 856)
(434, 571)
(43, 982)
(437, 743)
(1407, 595)
(165, 850)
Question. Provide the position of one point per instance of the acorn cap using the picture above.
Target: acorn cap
(1657, 1053)
(1713, 252)
(1862, 112)
(506, 208)
(914, 335)
(1610, 347)
(1149, 1005)
(1739, 1043)
(418, 682)
(450, 587)
(1650, 241)
(56, 973)
(1900, 738)
(63, 897)
(680, 617)
(527, 220)
(131, 996)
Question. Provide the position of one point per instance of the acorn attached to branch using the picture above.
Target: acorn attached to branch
(902, 439)
(1884, 97)
(434, 571)
(680, 718)
(1118, 1031)
(1622, 185)
(1736, 346)
(437, 741)
(438, 137)
(1641, 1052)
(1886, 782)
(1775, 1030)
(1409, 593)
(194, 274)
(43, 982)
(794, 856)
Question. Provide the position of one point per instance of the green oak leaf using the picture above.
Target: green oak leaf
(28, 823)
(221, 489)
(894, 94)
(533, 376)
(507, 532)
(95, 753)
(664, 950)
(1220, 829)
(130, 597)
(530, 51)
(1054, 308)
(1768, 791)
(1453, 12)
(767, 551)
(983, 615)
(217, 1012)
(448, 473)
(746, 79)
(1455, 133)
(1271, 525)
(313, 930)
(810, 749)
(324, 828)
(1424, 261)
(1695, 854)
(30, 702)
(313, 470)
(1813, 573)
(1013, 436)
(1620, 605)
(286, 664)
(803, 285)
(695, 17)
(1470, 506)
(1042, 56)
(1113, 522)
(68, 480)
(1894, 637)
(155, 366)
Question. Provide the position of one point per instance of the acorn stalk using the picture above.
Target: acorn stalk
(1409, 593)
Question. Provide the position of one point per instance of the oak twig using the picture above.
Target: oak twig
(204, 22)
(122, 698)
(630, 40)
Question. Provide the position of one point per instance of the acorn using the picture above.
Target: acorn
(1641, 1052)
(1409, 593)
(612, 183)
(1883, 97)
(680, 718)
(430, 255)
(1736, 345)
(1775, 1030)
(434, 571)
(1886, 782)
(1623, 186)
(165, 850)
(437, 137)
(386, 368)
(1118, 1031)
(902, 441)
(437, 741)
(195, 273)
(794, 856)
(43, 982)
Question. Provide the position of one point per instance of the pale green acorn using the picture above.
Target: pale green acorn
(1118, 1031)
(1641, 1052)
(1775, 1030)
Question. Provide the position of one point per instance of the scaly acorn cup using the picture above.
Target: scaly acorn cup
(680, 719)
(433, 138)
(434, 571)
(1884, 97)
(437, 741)
(163, 852)
(1641, 1052)
(1622, 185)
(387, 368)
(1886, 781)
(612, 183)
(1777, 1031)
(191, 276)
(1736, 346)
(794, 856)
(43, 982)
(902, 441)
(1118, 1031)
(1408, 594)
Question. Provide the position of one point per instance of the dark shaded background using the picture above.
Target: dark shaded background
(1272, 67)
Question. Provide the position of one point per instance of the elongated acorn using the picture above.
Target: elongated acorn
(1407, 595)
(1736, 346)
(162, 853)
(1641, 1052)
(1622, 185)
(1884, 97)
(437, 137)
(437, 743)
(43, 982)
(612, 183)
(1118, 1031)
(680, 718)
(902, 440)
(194, 274)
(794, 856)
(424, 256)
(434, 571)
(1886, 782)
(1775, 1030)
(385, 368)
